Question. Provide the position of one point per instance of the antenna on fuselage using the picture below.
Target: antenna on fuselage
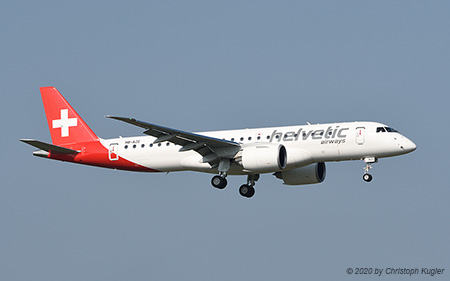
(308, 123)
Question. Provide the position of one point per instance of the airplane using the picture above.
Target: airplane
(294, 154)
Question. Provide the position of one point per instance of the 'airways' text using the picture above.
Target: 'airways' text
(333, 141)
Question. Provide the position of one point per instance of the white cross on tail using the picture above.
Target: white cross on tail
(64, 123)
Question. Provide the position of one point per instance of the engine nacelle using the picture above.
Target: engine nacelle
(297, 158)
(263, 157)
(314, 173)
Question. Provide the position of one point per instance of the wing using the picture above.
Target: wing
(212, 149)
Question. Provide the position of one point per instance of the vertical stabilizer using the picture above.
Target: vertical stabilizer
(65, 125)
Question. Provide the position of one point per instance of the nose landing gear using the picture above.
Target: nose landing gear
(369, 161)
(367, 177)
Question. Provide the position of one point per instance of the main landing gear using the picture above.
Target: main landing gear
(369, 161)
(246, 190)
(219, 182)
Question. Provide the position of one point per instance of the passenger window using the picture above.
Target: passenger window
(126, 146)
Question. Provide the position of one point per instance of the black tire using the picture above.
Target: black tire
(246, 191)
(219, 182)
(367, 177)
(252, 192)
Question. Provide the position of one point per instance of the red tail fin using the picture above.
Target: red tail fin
(65, 125)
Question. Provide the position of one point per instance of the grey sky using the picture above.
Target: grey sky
(204, 65)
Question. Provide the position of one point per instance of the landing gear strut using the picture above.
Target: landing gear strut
(248, 190)
(369, 161)
(220, 181)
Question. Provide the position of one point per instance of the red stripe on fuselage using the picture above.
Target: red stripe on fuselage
(95, 154)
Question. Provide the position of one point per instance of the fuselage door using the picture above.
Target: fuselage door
(360, 135)
(113, 152)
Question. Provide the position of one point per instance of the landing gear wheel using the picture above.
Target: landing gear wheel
(219, 182)
(367, 177)
(246, 190)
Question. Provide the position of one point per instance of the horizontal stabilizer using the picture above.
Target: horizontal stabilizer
(50, 147)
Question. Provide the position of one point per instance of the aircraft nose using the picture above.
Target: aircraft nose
(407, 145)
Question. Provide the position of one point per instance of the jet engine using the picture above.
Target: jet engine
(314, 173)
(262, 157)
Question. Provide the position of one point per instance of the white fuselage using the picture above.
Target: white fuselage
(316, 143)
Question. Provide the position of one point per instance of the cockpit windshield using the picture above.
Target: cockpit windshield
(391, 130)
(386, 129)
